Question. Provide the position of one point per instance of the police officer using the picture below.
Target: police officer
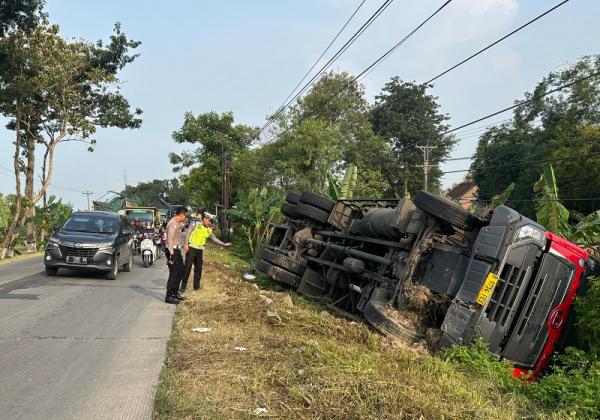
(195, 239)
(175, 258)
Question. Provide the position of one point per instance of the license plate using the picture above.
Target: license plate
(77, 260)
(486, 290)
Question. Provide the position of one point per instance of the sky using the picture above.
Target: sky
(246, 56)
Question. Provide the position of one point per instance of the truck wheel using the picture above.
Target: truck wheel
(284, 276)
(289, 210)
(375, 314)
(262, 266)
(292, 198)
(318, 201)
(446, 210)
(51, 271)
(312, 213)
(283, 261)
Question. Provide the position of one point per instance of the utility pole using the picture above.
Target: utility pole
(425, 166)
(224, 195)
(88, 193)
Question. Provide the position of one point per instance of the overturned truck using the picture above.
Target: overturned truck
(428, 270)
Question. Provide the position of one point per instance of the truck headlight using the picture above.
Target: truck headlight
(530, 232)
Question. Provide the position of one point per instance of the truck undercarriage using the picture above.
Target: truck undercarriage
(428, 270)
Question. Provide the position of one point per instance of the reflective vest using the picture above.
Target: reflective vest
(199, 236)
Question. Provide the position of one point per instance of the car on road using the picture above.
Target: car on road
(91, 240)
(427, 270)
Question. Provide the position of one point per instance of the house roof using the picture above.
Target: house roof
(461, 189)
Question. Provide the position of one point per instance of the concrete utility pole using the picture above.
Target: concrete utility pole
(224, 195)
(88, 193)
(426, 166)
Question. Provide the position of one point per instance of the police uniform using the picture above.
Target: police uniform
(196, 238)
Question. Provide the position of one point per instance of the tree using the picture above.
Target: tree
(214, 135)
(406, 117)
(562, 128)
(55, 91)
(170, 189)
(256, 210)
(323, 133)
(19, 15)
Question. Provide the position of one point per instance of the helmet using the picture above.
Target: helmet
(209, 216)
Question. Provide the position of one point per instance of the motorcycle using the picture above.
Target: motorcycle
(150, 249)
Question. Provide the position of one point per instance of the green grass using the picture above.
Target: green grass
(312, 364)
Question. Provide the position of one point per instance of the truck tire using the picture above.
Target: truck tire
(292, 198)
(262, 266)
(318, 201)
(289, 210)
(283, 261)
(312, 213)
(374, 313)
(446, 210)
(284, 276)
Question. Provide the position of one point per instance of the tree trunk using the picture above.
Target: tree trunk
(11, 232)
(29, 212)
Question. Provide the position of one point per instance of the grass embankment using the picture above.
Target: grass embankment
(310, 364)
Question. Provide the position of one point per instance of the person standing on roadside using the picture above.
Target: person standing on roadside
(193, 244)
(175, 259)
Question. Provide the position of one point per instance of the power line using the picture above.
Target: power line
(324, 68)
(524, 102)
(530, 162)
(324, 52)
(496, 42)
(375, 63)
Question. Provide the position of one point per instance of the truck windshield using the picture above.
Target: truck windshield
(91, 224)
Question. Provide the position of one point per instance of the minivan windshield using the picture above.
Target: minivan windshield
(91, 223)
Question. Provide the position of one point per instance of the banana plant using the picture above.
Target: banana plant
(503, 198)
(345, 190)
(552, 214)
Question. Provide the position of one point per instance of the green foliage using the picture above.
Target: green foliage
(587, 230)
(325, 132)
(345, 190)
(406, 117)
(19, 15)
(170, 189)
(573, 386)
(586, 310)
(563, 127)
(211, 134)
(6, 214)
(255, 210)
(502, 198)
(551, 213)
(477, 359)
(55, 212)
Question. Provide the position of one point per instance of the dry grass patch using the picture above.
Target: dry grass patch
(309, 364)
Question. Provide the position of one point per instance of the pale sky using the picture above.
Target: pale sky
(246, 56)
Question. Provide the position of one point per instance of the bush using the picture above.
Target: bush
(573, 385)
(587, 309)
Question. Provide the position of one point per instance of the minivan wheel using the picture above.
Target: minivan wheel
(112, 275)
(51, 271)
(127, 267)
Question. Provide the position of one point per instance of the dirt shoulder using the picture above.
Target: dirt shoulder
(292, 359)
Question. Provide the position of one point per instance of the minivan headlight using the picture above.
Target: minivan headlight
(105, 245)
(529, 232)
(53, 241)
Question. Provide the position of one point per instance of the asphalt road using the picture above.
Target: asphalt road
(78, 346)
